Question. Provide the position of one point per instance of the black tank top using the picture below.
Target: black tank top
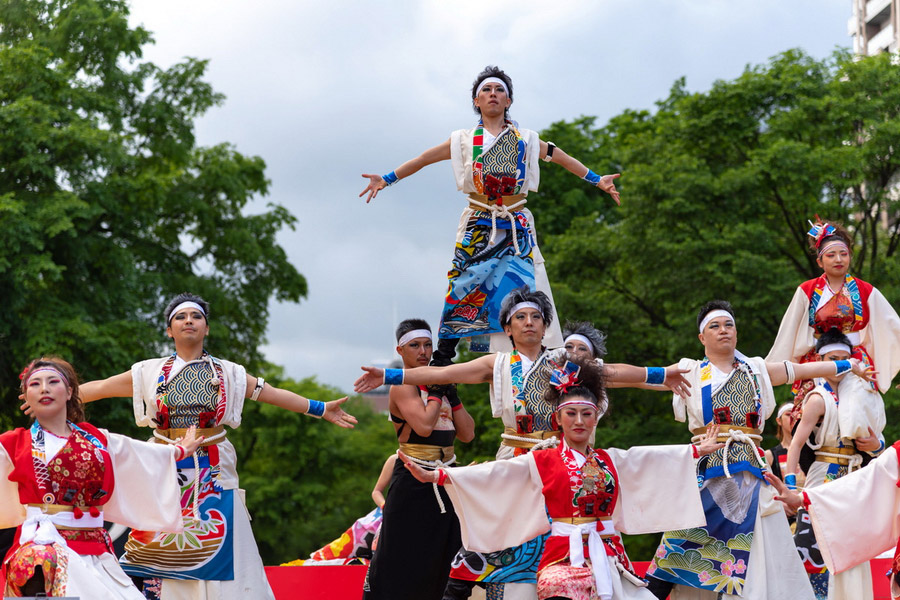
(438, 437)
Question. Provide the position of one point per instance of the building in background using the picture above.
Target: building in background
(874, 26)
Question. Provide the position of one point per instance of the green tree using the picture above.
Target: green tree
(717, 187)
(108, 206)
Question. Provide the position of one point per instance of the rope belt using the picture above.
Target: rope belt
(501, 209)
(846, 457)
(596, 552)
(428, 452)
(735, 433)
(536, 440)
(431, 464)
(212, 436)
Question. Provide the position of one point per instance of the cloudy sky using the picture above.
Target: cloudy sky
(325, 91)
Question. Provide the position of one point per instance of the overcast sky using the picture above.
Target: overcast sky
(325, 91)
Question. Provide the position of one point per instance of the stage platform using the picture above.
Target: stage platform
(345, 583)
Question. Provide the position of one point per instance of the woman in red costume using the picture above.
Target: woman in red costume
(59, 480)
(590, 494)
(838, 300)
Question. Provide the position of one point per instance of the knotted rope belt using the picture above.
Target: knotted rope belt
(430, 457)
(734, 433)
(503, 208)
(535, 440)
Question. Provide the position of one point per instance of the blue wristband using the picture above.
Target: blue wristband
(843, 366)
(790, 480)
(655, 375)
(316, 408)
(591, 177)
(393, 377)
(391, 178)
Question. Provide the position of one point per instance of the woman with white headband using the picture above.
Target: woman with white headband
(746, 545)
(192, 388)
(62, 477)
(836, 299)
(495, 164)
(825, 455)
(591, 495)
(420, 531)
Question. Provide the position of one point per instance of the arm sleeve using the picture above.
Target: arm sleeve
(146, 494)
(499, 504)
(883, 339)
(12, 513)
(856, 517)
(657, 489)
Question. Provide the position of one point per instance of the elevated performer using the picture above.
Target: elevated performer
(495, 164)
(420, 531)
(216, 557)
(519, 382)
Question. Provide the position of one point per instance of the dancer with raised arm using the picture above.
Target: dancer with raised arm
(495, 164)
(192, 388)
(519, 382)
(746, 549)
(828, 457)
(62, 477)
(591, 495)
(420, 531)
(836, 299)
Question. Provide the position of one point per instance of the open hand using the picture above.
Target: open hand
(335, 414)
(607, 183)
(709, 443)
(789, 498)
(191, 441)
(371, 379)
(867, 373)
(676, 382)
(376, 184)
(416, 471)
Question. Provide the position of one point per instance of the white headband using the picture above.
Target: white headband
(580, 338)
(832, 347)
(580, 400)
(488, 80)
(784, 408)
(831, 244)
(184, 305)
(51, 369)
(714, 314)
(411, 335)
(522, 305)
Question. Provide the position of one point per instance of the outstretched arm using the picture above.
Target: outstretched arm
(117, 386)
(622, 375)
(430, 156)
(479, 370)
(332, 411)
(788, 372)
(607, 183)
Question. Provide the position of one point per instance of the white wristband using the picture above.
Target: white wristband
(260, 383)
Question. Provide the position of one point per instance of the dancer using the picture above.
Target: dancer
(519, 382)
(857, 309)
(584, 341)
(420, 531)
(591, 495)
(834, 457)
(495, 164)
(190, 387)
(63, 477)
(745, 549)
(855, 518)
(776, 457)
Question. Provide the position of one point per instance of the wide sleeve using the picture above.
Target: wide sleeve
(767, 394)
(532, 160)
(460, 150)
(657, 489)
(679, 404)
(235, 392)
(144, 376)
(795, 336)
(883, 339)
(857, 517)
(146, 494)
(12, 513)
(499, 504)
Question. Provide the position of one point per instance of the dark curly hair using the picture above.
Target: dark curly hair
(74, 406)
(591, 385)
(832, 336)
(492, 71)
(714, 305)
(185, 297)
(594, 335)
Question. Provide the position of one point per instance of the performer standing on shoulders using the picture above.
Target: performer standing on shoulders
(192, 388)
(591, 495)
(834, 457)
(856, 308)
(496, 164)
(63, 477)
(745, 549)
(420, 531)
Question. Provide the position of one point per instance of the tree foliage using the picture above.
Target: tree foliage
(717, 187)
(108, 206)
